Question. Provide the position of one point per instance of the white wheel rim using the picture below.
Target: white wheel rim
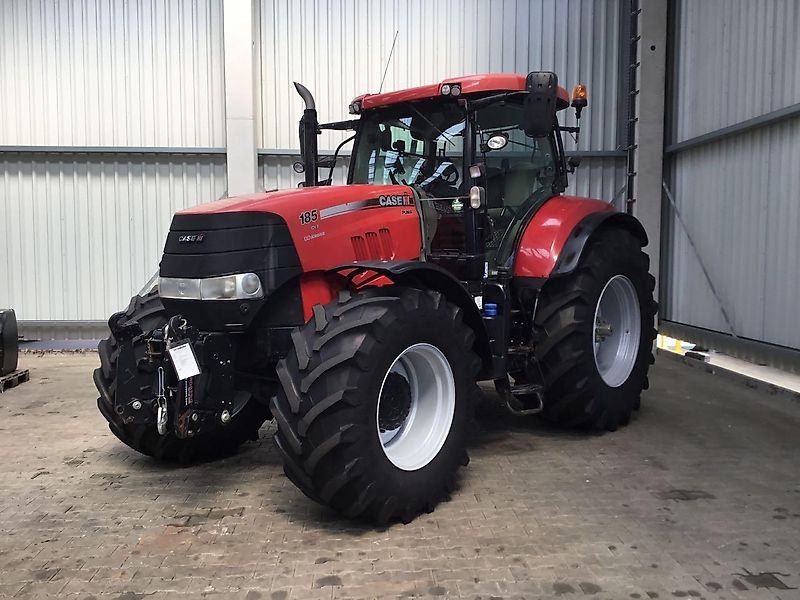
(616, 332)
(418, 439)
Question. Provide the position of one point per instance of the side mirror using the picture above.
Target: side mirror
(539, 106)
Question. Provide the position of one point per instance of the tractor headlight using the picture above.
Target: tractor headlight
(242, 286)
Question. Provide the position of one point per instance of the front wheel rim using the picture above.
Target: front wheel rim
(412, 436)
(616, 331)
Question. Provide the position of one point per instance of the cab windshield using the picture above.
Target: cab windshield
(418, 144)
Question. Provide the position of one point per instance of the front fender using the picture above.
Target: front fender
(427, 276)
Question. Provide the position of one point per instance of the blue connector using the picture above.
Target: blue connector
(490, 310)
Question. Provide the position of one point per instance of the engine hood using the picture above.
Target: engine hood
(335, 225)
(289, 203)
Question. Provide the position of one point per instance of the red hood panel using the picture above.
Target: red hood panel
(297, 199)
(336, 225)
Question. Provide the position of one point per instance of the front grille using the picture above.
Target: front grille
(210, 245)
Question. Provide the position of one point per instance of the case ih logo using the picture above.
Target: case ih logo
(194, 238)
(394, 200)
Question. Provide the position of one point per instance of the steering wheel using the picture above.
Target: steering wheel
(450, 175)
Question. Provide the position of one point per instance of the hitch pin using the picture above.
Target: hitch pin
(161, 400)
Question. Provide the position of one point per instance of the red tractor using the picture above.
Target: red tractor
(361, 317)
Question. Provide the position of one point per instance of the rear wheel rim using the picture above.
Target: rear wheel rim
(616, 331)
(425, 423)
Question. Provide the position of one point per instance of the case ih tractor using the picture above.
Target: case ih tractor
(361, 317)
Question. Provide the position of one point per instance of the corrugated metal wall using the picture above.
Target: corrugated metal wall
(339, 49)
(736, 60)
(737, 196)
(111, 73)
(80, 233)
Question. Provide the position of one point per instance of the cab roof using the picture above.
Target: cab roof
(470, 84)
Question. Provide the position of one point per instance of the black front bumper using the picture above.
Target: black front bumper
(194, 406)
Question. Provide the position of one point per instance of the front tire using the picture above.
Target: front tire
(376, 402)
(595, 334)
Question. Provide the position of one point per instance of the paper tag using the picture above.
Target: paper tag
(184, 361)
(479, 302)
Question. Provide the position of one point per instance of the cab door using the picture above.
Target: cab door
(521, 175)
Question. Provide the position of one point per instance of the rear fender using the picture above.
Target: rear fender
(573, 248)
(554, 238)
(322, 287)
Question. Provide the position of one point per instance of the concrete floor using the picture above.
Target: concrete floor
(698, 498)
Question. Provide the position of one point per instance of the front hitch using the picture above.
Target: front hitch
(150, 390)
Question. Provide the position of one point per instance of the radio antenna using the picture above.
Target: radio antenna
(388, 60)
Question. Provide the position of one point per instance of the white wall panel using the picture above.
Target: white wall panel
(80, 234)
(111, 73)
(602, 178)
(736, 59)
(738, 198)
(339, 48)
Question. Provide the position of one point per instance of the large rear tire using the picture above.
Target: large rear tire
(595, 332)
(150, 314)
(376, 402)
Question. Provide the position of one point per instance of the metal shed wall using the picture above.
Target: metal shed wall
(81, 233)
(734, 191)
(118, 82)
(110, 73)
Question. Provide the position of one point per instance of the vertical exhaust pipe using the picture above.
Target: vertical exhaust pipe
(309, 129)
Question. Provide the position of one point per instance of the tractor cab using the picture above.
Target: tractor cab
(480, 153)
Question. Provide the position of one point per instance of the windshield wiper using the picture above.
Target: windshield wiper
(439, 131)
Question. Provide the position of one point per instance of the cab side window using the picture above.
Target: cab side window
(520, 173)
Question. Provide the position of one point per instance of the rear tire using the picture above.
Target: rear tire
(150, 314)
(343, 395)
(590, 383)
